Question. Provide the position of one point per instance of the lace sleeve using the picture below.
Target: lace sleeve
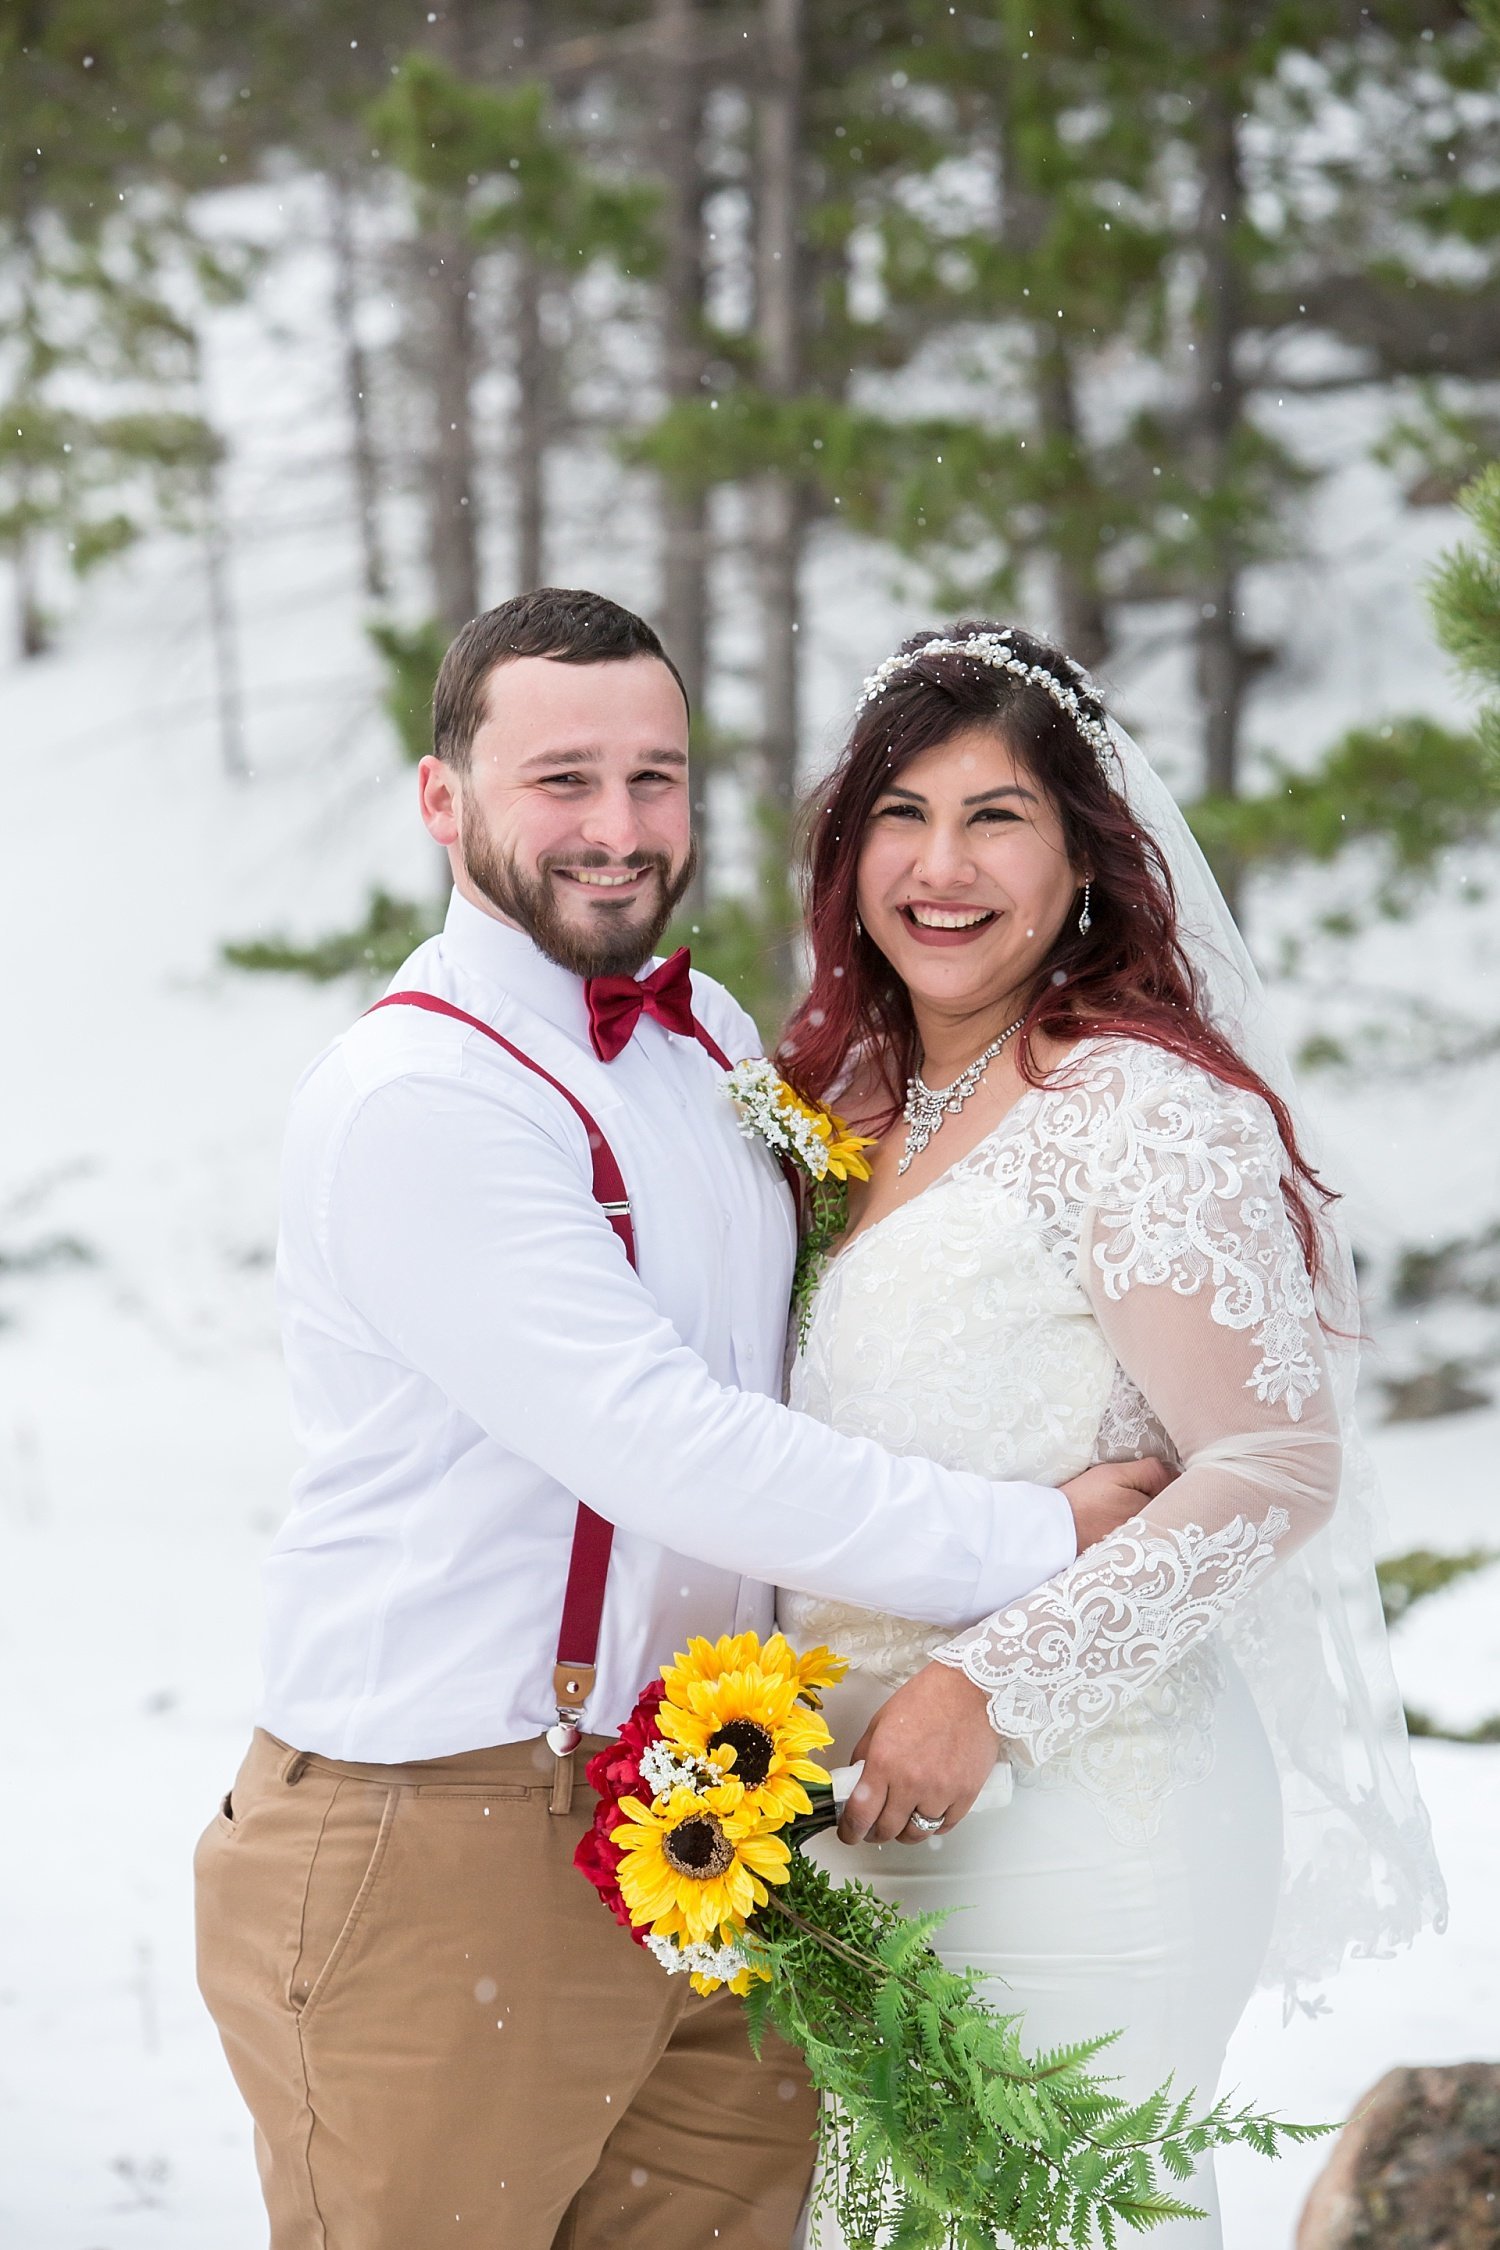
(1195, 1277)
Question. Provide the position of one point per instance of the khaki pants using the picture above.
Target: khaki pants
(444, 2038)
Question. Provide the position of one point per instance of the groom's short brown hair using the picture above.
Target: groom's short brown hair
(563, 622)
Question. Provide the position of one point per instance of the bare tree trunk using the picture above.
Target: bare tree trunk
(531, 432)
(356, 376)
(1222, 668)
(32, 638)
(683, 515)
(223, 631)
(450, 364)
(32, 635)
(452, 498)
(780, 512)
(1083, 617)
(532, 428)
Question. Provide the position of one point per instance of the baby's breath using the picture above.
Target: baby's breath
(663, 1771)
(704, 1960)
(759, 1093)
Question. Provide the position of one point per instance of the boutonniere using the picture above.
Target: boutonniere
(821, 1147)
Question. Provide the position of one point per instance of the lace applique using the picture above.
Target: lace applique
(1081, 1645)
(950, 1330)
(1129, 1430)
(1160, 1741)
(1182, 1190)
(893, 1648)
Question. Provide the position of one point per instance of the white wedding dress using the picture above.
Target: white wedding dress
(1111, 1272)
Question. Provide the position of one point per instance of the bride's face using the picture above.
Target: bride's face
(964, 878)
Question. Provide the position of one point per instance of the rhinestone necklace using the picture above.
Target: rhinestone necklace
(927, 1106)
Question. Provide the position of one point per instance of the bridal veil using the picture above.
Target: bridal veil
(1359, 1873)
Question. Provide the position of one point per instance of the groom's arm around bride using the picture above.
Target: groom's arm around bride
(439, 2035)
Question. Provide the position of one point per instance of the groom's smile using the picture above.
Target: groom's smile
(571, 818)
(600, 881)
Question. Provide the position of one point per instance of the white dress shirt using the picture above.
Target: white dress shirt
(470, 1354)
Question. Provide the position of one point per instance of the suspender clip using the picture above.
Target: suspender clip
(572, 1684)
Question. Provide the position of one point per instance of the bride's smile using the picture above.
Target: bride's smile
(964, 883)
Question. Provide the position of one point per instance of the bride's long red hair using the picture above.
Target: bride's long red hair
(1127, 975)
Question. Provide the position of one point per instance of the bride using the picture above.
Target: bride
(1092, 1232)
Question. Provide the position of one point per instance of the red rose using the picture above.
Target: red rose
(615, 1771)
(598, 1858)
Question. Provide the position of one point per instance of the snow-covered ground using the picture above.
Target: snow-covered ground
(143, 1447)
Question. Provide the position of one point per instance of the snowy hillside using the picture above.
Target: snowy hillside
(143, 1445)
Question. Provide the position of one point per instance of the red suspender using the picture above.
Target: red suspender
(711, 1045)
(609, 1180)
(593, 1536)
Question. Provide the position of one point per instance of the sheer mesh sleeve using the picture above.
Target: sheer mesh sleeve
(1196, 1279)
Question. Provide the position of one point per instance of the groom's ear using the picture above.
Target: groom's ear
(437, 794)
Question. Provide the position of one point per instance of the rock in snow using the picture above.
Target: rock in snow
(1416, 2168)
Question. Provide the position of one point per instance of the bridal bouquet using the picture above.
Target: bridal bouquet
(939, 2132)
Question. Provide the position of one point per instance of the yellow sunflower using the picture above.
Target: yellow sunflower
(731, 1652)
(751, 1718)
(696, 1867)
(844, 1159)
(818, 1669)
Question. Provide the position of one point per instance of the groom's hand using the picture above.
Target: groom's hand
(929, 1750)
(1103, 1498)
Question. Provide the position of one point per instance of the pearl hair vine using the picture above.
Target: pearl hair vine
(995, 649)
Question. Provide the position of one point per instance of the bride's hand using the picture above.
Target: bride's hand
(929, 1750)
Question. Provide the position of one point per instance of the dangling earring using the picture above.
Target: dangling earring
(859, 928)
(1085, 919)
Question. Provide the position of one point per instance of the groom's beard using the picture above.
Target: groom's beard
(613, 945)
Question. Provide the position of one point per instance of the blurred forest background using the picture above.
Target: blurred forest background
(1171, 327)
(1030, 306)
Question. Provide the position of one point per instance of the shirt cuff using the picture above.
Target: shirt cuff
(1034, 1537)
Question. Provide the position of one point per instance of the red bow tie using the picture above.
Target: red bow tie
(616, 1004)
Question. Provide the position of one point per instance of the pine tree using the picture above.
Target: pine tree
(1465, 599)
(304, 79)
(1394, 250)
(490, 169)
(100, 433)
(1013, 293)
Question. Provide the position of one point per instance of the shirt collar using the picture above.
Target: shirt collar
(507, 961)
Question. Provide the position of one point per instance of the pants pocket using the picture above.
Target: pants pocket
(341, 1881)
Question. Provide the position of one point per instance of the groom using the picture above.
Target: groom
(528, 1261)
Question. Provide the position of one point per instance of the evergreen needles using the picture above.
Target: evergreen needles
(1465, 595)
